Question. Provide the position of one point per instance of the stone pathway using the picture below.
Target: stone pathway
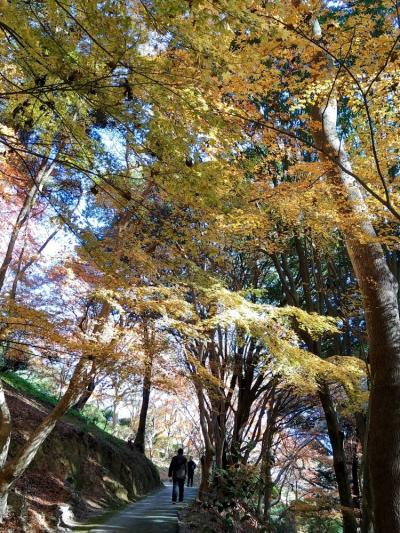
(152, 514)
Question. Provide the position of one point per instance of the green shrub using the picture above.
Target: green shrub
(29, 387)
(316, 524)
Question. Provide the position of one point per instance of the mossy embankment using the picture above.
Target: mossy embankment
(79, 464)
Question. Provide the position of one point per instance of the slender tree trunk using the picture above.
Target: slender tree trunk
(21, 269)
(268, 486)
(266, 468)
(149, 342)
(12, 470)
(205, 474)
(207, 463)
(22, 217)
(116, 400)
(219, 435)
(367, 518)
(339, 460)
(355, 478)
(86, 395)
(98, 329)
(332, 422)
(5, 426)
(139, 442)
(239, 422)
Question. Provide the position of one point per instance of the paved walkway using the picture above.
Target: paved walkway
(152, 514)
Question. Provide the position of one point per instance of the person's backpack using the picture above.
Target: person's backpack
(181, 472)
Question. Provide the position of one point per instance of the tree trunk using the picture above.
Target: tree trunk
(21, 269)
(114, 418)
(149, 346)
(332, 422)
(139, 442)
(362, 421)
(218, 424)
(205, 475)
(11, 471)
(5, 426)
(98, 329)
(367, 518)
(86, 395)
(267, 479)
(3, 504)
(355, 479)
(339, 460)
(379, 292)
(22, 217)
(207, 463)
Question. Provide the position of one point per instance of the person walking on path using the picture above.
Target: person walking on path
(191, 466)
(178, 471)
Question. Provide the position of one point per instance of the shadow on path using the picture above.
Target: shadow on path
(153, 514)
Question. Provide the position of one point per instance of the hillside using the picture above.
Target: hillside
(79, 465)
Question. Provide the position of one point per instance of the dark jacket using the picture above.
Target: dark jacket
(177, 462)
(191, 467)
